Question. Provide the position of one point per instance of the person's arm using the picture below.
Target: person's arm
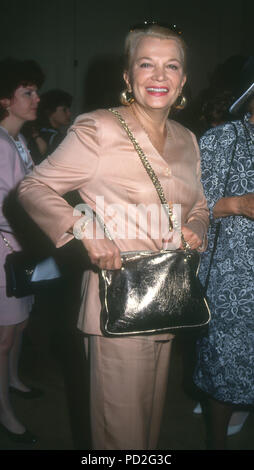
(237, 205)
(40, 142)
(195, 229)
(102, 252)
(72, 165)
(69, 168)
(216, 147)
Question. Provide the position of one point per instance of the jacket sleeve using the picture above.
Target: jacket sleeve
(7, 180)
(198, 217)
(68, 168)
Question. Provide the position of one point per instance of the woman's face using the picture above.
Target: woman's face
(156, 77)
(60, 117)
(23, 105)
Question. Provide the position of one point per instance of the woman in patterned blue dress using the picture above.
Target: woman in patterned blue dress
(225, 357)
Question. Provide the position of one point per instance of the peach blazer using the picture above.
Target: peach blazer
(98, 159)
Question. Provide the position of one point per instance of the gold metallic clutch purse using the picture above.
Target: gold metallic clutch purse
(153, 292)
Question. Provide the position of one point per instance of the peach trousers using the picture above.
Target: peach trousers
(128, 382)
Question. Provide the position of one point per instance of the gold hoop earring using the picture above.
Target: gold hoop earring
(126, 98)
(182, 103)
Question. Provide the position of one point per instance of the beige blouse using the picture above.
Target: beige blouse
(98, 159)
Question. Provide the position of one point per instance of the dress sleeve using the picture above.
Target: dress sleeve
(216, 149)
(68, 168)
(7, 182)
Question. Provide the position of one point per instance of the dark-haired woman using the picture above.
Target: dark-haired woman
(19, 82)
(53, 118)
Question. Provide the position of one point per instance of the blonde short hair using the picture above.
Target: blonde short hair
(150, 30)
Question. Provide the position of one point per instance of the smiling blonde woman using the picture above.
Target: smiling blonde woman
(128, 375)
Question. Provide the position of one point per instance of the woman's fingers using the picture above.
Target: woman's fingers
(103, 253)
(172, 240)
(191, 238)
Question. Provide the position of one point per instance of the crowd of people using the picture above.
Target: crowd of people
(212, 181)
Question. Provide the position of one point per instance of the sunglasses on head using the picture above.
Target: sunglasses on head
(147, 24)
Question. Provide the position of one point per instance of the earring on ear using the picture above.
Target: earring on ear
(180, 102)
(126, 97)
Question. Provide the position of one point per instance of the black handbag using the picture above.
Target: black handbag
(26, 275)
(153, 292)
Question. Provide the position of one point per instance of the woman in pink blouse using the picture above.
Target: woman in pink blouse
(19, 82)
(128, 375)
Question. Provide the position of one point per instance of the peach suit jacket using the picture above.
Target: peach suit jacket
(98, 159)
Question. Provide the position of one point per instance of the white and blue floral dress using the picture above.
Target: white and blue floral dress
(225, 357)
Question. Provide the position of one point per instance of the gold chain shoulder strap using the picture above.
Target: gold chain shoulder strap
(150, 171)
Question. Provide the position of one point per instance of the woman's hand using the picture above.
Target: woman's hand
(173, 240)
(191, 238)
(103, 253)
(235, 205)
(246, 205)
